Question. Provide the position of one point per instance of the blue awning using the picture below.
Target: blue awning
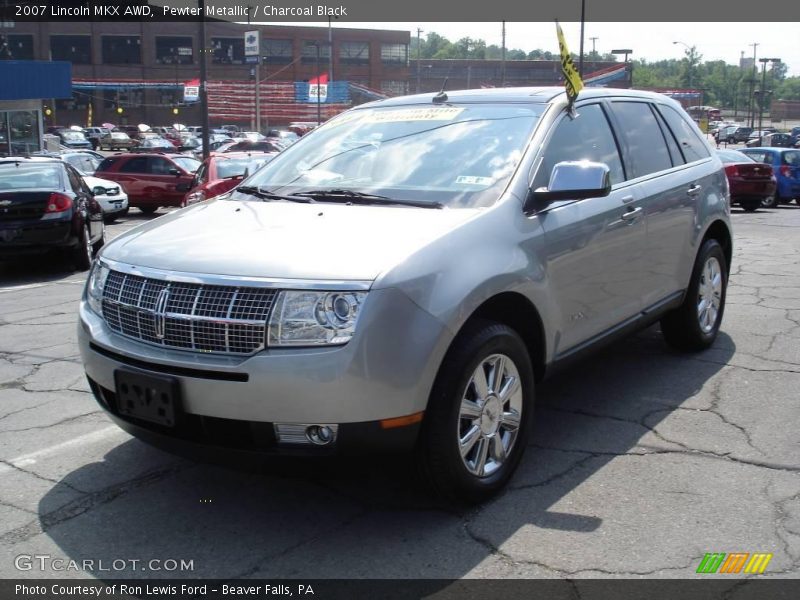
(34, 79)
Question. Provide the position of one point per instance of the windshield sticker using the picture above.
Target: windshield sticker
(443, 113)
(474, 180)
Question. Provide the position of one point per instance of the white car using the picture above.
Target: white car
(109, 194)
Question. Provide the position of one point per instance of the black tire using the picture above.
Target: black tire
(770, 201)
(438, 454)
(148, 210)
(751, 205)
(84, 252)
(682, 327)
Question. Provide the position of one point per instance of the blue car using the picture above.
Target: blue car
(785, 164)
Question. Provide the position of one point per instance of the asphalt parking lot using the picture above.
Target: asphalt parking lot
(642, 460)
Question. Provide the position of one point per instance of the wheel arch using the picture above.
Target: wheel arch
(719, 230)
(518, 312)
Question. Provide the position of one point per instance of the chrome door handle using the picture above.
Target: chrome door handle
(630, 215)
(694, 190)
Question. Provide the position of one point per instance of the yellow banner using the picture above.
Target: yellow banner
(573, 82)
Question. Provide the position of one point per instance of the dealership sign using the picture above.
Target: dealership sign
(251, 43)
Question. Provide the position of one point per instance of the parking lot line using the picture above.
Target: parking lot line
(88, 438)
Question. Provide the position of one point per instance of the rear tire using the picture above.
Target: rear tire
(84, 252)
(479, 414)
(148, 210)
(694, 325)
(770, 202)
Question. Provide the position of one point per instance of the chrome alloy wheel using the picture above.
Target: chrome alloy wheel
(490, 415)
(709, 295)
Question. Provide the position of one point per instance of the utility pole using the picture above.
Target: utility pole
(503, 63)
(594, 53)
(330, 51)
(751, 96)
(762, 97)
(419, 51)
(203, 77)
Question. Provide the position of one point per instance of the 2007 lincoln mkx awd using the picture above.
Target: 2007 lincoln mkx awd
(402, 276)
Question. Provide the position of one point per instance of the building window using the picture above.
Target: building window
(23, 132)
(354, 53)
(79, 101)
(394, 54)
(122, 49)
(125, 98)
(16, 47)
(277, 51)
(76, 49)
(309, 56)
(227, 51)
(394, 88)
(174, 50)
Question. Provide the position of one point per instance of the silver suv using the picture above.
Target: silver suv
(401, 278)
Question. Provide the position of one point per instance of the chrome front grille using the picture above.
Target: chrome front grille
(188, 316)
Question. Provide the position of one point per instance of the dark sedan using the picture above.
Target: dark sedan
(752, 183)
(45, 205)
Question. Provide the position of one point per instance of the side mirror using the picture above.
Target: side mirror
(572, 180)
(183, 187)
(98, 191)
(175, 172)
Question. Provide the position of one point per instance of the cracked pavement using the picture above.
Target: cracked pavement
(642, 460)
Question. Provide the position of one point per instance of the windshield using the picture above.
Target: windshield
(458, 156)
(236, 167)
(189, 165)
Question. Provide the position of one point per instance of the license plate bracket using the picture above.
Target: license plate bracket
(153, 398)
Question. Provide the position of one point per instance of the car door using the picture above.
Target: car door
(594, 247)
(668, 163)
(134, 177)
(168, 177)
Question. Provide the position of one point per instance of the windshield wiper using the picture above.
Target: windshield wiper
(259, 192)
(351, 197)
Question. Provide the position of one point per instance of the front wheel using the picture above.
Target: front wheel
(148, 210)
(694, 325)
(479, 414)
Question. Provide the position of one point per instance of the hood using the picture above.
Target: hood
(284, 240)
(93, 182)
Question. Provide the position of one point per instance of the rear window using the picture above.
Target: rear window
(20, 176)
(236, 167)
(646, 142)
(732, 156)
(791, 158)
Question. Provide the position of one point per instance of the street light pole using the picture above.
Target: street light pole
(763, 96)
(689, 59)
(203, 78)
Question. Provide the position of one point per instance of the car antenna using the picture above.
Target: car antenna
(441, 96)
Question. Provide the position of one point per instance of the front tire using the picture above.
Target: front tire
(694, 325)
(479, 414)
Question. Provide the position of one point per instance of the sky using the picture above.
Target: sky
(650, 41)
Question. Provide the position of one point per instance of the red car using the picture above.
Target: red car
(151, 180)
(222, 172)
(751, 182)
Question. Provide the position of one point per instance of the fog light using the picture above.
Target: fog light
(320, 434)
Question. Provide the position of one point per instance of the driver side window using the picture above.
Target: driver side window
(586, 137)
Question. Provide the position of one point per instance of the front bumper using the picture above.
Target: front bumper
(386, 371)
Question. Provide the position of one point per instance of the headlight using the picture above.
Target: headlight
(306, 318)
(94, 288)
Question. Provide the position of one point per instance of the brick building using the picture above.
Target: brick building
(142, 68)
